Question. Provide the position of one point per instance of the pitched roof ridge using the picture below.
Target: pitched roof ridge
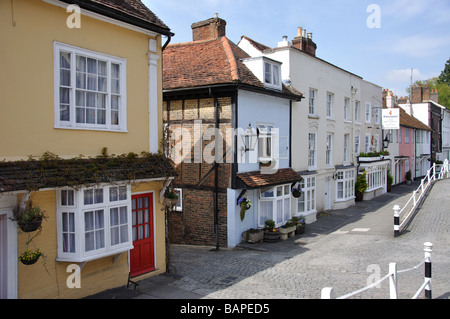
(259, 46)
(180, 44)
(231, 59)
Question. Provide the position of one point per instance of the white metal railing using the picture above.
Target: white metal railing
(401, 215)
(328, 293)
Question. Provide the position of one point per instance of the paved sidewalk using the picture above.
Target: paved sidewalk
(335, 251)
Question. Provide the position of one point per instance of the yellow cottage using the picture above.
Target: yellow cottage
(81, 85)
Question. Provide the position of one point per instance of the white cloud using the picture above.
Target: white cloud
(419, 46)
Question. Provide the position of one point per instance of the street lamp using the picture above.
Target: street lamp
(249, 138)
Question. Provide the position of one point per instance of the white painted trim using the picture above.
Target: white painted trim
(153, 102)
(104, 19)
(6, 205)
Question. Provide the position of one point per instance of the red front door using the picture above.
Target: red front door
(142, 257)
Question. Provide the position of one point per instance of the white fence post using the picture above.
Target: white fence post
(396, 221)
(327, 293)
(428, 248)
(393, 281)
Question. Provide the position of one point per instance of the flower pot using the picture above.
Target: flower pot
(300, 229)
(271, 237)
(296, 194)
(30, 226)
(359, 196)
(253, 237)
(287, 232)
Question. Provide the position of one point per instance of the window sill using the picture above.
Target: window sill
(342, 200)
(94, 257)
(312, 116)
(90, 129)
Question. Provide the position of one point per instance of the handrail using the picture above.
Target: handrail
(328, 292)
(399, 221)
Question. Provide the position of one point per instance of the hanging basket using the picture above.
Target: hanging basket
(30, 226)
(296, 194)
(30, 258)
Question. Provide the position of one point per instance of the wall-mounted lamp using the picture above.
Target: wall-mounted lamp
(386, 142)
(249, 138)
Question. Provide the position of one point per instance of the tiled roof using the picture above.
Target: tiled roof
(130, 11)
(209, 62)
(255, 180)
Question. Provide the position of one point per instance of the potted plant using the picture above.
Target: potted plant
(360, 186)
(28, 218)
(408, 177)
(390, 180)
(297, 192)
(245, 205)
(170, 199)
(300, 224)
(253, 236)
(29, 257)
(271, 234)
(287, 230)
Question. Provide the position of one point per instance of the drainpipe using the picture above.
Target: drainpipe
(216, 175)
(169, 37)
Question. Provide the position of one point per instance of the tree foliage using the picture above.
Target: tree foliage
(444, 78)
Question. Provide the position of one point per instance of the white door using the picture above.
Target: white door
(327, 194)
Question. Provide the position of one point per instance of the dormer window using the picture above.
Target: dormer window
(272, 75)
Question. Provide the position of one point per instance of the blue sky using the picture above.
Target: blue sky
(414, 34)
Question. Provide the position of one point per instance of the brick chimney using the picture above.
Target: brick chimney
(434, 96)
(416, 94)
(209, 29)
(303, 41)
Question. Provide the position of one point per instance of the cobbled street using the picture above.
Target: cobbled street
(325, 257)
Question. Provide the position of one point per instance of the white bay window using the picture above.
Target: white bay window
(275, 204)
(93, 223)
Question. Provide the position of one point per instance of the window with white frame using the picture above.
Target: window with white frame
(368, 113)
(330, 101)
(306, 203)
(346, 148)
(90, 89)
(312, 101)
(376, 142)
(347, 109)
(93, 222)
(357, 111)
(275, 204)
(312, 150)
(265, 142)
(329, 150)
(406, 135)
(367, 143)
(357, 144)
(376, 177)
(345, 185)
(376, 111)
(272, 74)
